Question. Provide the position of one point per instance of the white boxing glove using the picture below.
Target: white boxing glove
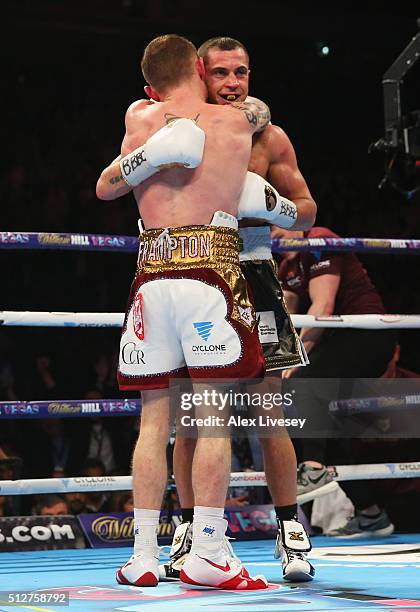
(259, 200)
(179, 142)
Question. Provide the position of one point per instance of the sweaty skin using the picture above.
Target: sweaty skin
(179, 196)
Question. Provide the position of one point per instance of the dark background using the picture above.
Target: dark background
(70, 69)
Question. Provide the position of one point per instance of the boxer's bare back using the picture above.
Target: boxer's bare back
(179, 196)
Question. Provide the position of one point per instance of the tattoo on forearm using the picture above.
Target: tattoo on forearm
(115, 179)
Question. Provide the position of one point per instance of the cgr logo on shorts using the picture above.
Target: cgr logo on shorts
(132, 355)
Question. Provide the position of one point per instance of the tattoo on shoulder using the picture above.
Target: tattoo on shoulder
(169, 117)
(257, 113)
(249, 114)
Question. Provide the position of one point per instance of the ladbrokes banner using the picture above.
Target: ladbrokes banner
(116, 529)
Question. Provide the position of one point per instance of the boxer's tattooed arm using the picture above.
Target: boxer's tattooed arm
(256, 111)
(169, 118)
(116, 179)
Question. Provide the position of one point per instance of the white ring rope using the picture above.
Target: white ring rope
(238, 479)
(115, 319)
(367, 471)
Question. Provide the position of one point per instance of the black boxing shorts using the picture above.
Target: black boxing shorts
(281, 344)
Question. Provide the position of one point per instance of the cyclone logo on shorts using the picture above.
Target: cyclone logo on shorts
(138, 317)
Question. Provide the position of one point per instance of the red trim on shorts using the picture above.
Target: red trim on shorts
(143, 383)
(251, 363)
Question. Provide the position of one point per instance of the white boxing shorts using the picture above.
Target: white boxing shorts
(189, 313)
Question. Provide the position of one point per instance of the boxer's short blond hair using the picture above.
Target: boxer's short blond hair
(167, 61)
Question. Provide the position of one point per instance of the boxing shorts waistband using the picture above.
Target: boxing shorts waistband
(255, 243)
(194, 246)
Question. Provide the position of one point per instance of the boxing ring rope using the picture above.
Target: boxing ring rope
(13, 318)
(72, 408)
(132, 407)
(369, 471)
(69, 408)
(129, 244)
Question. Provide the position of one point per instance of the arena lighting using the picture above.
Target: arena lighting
(401, 142)
(322, 49)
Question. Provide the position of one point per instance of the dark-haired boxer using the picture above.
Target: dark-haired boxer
(227, 78)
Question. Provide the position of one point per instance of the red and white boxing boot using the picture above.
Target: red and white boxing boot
(203, 572)
(140, 571)
(211, 564)
(180, 549)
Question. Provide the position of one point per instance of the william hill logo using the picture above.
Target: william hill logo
(118, 530)
(113, 529)
(203, 329)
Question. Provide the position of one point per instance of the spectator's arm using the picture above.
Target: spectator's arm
(292, 301)
(322, 292)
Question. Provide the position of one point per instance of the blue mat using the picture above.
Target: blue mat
(358, 575)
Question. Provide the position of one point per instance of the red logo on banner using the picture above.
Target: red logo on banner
(138, 317)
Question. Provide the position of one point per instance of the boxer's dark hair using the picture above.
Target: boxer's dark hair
(224, 43)
(167, 61)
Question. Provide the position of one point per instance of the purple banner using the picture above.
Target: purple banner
(116, 529)
(73, 242)
(373, 245)
(129, 244)
(69, 408)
